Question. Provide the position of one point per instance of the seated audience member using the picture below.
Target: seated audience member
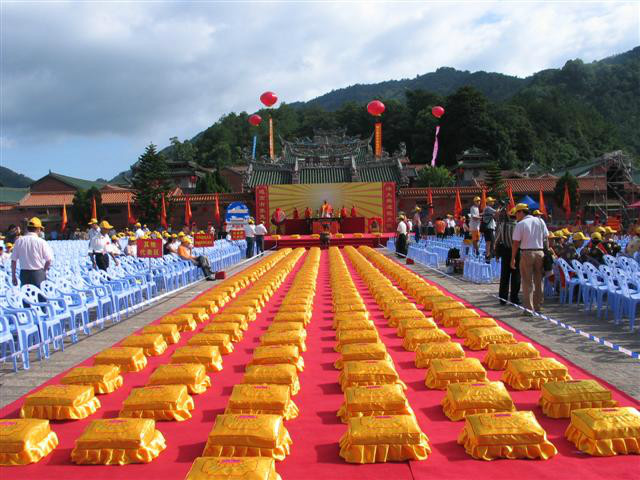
(131, 250)
(610, 243)
(634, 243)
(594, 251)
(184, 252)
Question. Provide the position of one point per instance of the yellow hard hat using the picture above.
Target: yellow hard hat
(596, 236)
(105, 224)
(186, 239)
(181, 234)
(173, 235)
(512, 212)
(537, 213)
(490, 199)
(476, 199)
(566, 231)
(601, 230)
(137, 224)
(552, 235)
(132, 239)
(610, 230)
(93, 221)
(34, 222)
(580, 236)
(521, 206)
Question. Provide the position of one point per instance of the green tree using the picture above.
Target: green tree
(80, 208)
(494, 181)
(181, 151)
(574, 193)
(435, 177)
(211, 183)
(150, 180)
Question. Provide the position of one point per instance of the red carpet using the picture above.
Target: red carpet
(317, 430)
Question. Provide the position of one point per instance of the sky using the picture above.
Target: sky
(85, 86)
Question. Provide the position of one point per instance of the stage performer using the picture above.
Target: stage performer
(278, 219)
(343, 212)
(354, 212)
(307, 213)
(296, 215)
(326, 210)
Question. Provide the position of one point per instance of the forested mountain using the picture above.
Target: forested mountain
(9, 178)
(556, 118)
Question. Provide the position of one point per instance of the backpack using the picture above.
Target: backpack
(453, 254)
(483, 226)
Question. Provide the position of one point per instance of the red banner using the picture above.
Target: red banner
(262, 204)
(272, 152)
(389, 206)
(149, 248)
(203, 240)
(237, 235)
(378, 139)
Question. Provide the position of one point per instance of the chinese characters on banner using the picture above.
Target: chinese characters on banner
(262, 204)
(378, 139)
(203, 240)
(389, 206)
(237, 234)
(149, 248)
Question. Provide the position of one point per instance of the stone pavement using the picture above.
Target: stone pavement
(612, 366)
(14, 385)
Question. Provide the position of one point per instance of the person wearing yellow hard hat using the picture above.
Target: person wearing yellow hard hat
(139, 233)
(594, 251)
(184, 252)
(34, 254)
(509, 278)
(609, 243)
(131, 249)
(474, 223)
(633, 245)
(530, 238)
(488, 227)
(98, 241)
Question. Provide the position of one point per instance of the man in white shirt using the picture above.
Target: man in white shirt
(260, 231)
(98, 246)
(401, 239)
(249, 234)
(139, 232)
(529, 236)
(489, 226)
(474, 223)
(34, 254)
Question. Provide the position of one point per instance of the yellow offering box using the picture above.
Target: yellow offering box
(118, 441)
(369, 372)
(289, 337)
(348, 337)
(248, 311)
(128, 359)
(355, 325)
(220, 340)
(152, 344)
(464, 399)
(232, 329)
(248, 436)
(103, 378)
(481, 338)
(168, 330)
(192, 375)
(209, 306)
(532, 373)
(384, 438)
(239, 318)
(301, 317)
(206, 355)
(425, 352)
(278, 354)
(297, 308)
(374, 400)
(339, 317)
(415, 337)
(265, 398)
(488, 436)
(362, 351)
(200, 315)
(406, 324)
(160, 402)
(429, 301)
(278, 373)
(233, 468)
(467, 323)
(439, 308)
(498, 354)
(25, 440)
(559, 399)
(286, 327)
(60, 402)
(184, 322)
(453, 316)
(444, 371)
(605, 432)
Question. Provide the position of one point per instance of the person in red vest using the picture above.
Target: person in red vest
(296, 215)
(307, 213)
(354, 212)
(343, 212)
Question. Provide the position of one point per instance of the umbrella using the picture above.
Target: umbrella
(530, 202)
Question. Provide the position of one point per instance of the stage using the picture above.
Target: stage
(307, 241)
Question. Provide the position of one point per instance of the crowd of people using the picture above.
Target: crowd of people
(520, 238)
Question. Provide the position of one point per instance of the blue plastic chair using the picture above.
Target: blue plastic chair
(630, 298)
(25, 328)
(566, 293)
(6, 340)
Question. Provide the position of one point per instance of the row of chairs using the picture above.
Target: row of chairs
(76, 297)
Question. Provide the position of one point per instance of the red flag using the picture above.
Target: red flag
(94, 209)
(542, 208)
(457, 209)
(163, 214)
(130, 218)
(566, 201)
(354, 212)
(63, 227)
(217, 212)
(512, 203)
(430, 202)
(187, 211)
(483, 200)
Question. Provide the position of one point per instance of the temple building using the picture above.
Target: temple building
(330, 157)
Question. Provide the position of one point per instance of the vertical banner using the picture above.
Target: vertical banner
(378, 139)
(435, 147)
(389, 206)
(272, 153)
(262, 205)
(253, 149)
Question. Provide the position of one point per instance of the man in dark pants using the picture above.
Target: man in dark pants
(33, 253)
(509, 278)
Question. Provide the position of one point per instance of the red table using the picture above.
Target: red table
(353, 225)
(334, 225)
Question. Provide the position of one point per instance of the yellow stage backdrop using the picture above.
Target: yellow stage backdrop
(367, 197)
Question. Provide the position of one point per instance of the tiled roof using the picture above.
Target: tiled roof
(58, 199)
(379, 173)
(325, 175)
(211, 197)
(78, 183)
(12, 195)
(269, 177)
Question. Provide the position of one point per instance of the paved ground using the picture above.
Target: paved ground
(14, 385)
(612, 366)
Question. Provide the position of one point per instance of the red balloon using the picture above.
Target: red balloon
(255, 120)
(437, 111)
(269, 98)
(375, 108)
